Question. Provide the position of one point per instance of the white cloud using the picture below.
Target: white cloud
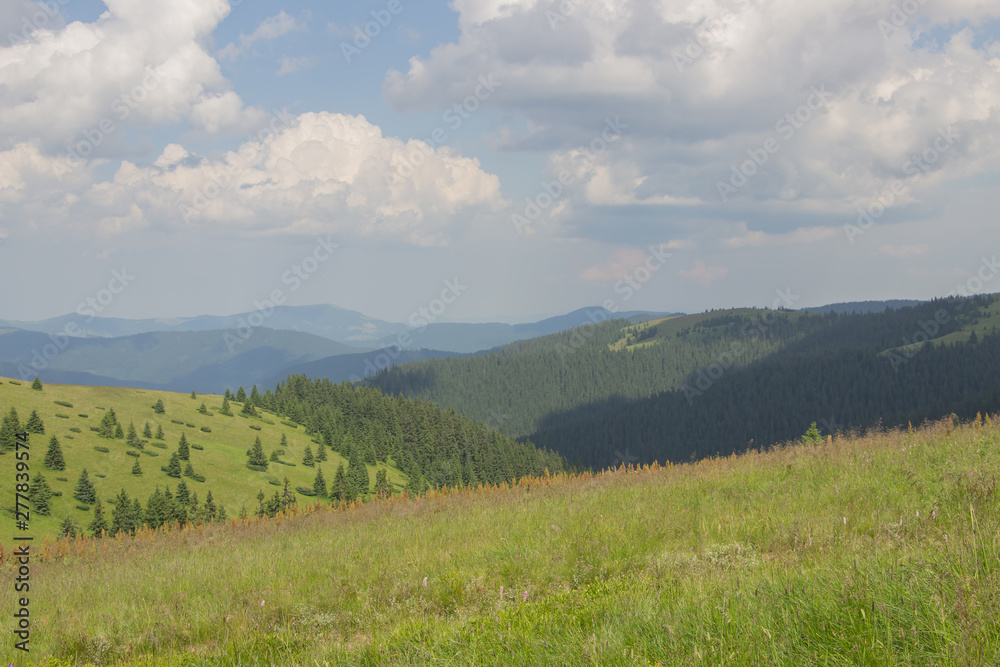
(289, 65)
(695, 111)
(757, 238)
(315, 173)
(269, 29)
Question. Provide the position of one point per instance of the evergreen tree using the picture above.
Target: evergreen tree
(189, 470)
(194, 396)
(284, 441)
(121, 514)
(228, 396)
(14, 420)
(37, 384)
(274, 456)
(135, 515)
(182, 495)
(225, 407)
(319, 484)
(382, 487)
(257, 457)
(159, 432)
(321, 452)
(119, 433)
(106, 428)
(248, 409)
(812, 436)
(209, 511)
(338, 490)
(308, 459)
(203, 409)
(8, 434)
(241, 395)
(34, 424)
(158, 407)
(136, 468)
(54, 456)
(68, 528)
(194, 511)
(173, 467)
(183, 450)
(260, 504)
(287, 496)
(147, 432)
(40, 495)
(85, 491)
(99, 525)
(357, 476)
(156, 513)
(132, 437)
(255, 396)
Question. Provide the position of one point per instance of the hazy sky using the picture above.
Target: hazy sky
(363, 153)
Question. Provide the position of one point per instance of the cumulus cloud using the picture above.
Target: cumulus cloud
(309, 174)
(137, 64)
(705, 87)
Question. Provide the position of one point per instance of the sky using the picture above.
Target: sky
(523, 157)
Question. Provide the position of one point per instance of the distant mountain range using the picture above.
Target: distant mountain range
(211, 353)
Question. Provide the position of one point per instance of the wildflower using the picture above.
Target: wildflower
(425, 582)
(524, 598)
(261, 603)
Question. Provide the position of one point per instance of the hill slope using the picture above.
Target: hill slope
(871, 551)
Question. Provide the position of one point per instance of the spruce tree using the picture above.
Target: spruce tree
(248, 409)
(308, 459)
(357, 475)
(136, 468)
(37, 384)
(182, 493)
(274, 456)
(34, 424)
(8, 434)
(183, 451)
(159, 432)
(121, 515)
(284, 441)
(40, 495)
(338, 490)
(54, 456)
(209, 511)
(147, 432)
(68, 528)
(382, 487)
(203, 409)
(225, 407)
(228, 396)
(85, 491)
(135, 515)
(106, 428)
(241, 395)
(194, 396)
(119, 433)
(287, 496)
(257, 457)
(173, 467)
(155, 514)
(812, 436)
(255, 396)
(321, 452)
(99, 526)
(158, 407)
(193, 511)
(189, 470)
(319, 484)
(132, 437)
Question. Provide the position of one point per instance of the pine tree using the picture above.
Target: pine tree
(338, 490)
(37, 384)
(34, 424)
(274, 456)
(255, 396)
(257, 457)
(132, 438)
(357, 475)
(308, 459)
(248, 409)
(382, 487)
(203, 409)
(228, 396)
(106, 428)
(54, 456)
(40, 495)
(194, 396)
(182, 493)
(209, 511)
(320, 453)
(99, 526)
(85, 491)
(158, 407)
(183, 450)
(193, 513)
(159, 432)
(147, 432)
(812, 435)
(8, 434)
(155, 514)
(136, 468)
(225, 406)
(121, 515)
(189, 470)
(173, 467)
(287, 496)
(260, 504)
(119, 433)
(68, 528)
(241, 395)
(319, 484)
(135, 515)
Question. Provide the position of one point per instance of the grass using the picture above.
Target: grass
(220, 455)
(874, 550)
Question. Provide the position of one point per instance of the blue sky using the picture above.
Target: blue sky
(842, 151)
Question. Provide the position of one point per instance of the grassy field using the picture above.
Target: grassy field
(222, 461)
(874, 550)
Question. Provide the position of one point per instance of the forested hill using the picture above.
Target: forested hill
(713, 383)
(433, 446)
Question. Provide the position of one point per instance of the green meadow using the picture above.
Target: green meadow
(876, 549)
(221, 459)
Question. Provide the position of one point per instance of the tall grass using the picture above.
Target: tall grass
(867, 550)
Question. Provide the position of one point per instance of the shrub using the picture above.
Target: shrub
(62, 416)
(268, 421)
(68, 437)
(97, 474)
(132, 452)
(85, 508)
(189, 425)
(274, 482)
(74, 429)
(255, 427)
(84, 415)
(62, 479)
(63, 403)
(95, 429)
(57, 493)
(292, 424)
(147, 452)
(257, 468)
(14, 382)
(176, 421)
(196, 477)
(206, 429)
(194, 446)
(304, 491)
(99, 448)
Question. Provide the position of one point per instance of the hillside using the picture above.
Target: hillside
(713, 383)
(869, 550)
(416, 443)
